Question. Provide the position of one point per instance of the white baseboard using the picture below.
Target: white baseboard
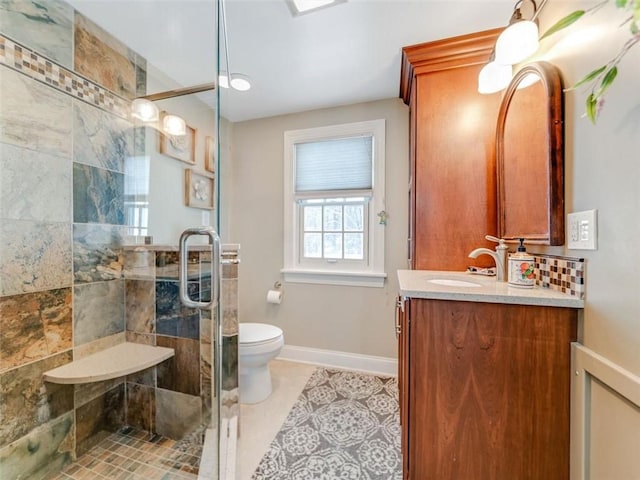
(350, 361)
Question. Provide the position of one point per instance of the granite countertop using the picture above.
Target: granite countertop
(417, 284)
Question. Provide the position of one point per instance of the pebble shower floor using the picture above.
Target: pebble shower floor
(132, 454)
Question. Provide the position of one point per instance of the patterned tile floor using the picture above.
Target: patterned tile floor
(136, 455)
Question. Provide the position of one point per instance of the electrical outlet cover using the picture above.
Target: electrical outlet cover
(582, 230)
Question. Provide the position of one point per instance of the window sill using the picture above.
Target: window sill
(352, 279)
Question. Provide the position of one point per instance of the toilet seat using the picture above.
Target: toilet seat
(254, 334)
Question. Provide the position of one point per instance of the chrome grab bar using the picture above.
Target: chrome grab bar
(214, 240)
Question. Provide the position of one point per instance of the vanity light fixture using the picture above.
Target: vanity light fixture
(144, 109)
(516, 43)
(494, 77)
(520, 39)
(174, 125)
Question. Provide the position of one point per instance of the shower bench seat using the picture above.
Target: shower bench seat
(117, 361)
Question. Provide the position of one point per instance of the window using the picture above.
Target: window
(334, 189)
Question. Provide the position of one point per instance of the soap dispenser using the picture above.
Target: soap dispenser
(522, 268)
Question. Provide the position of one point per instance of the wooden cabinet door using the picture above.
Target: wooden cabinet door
(452, 147)
(489, 391)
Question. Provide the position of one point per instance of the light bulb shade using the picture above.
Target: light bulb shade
(239, 82)
(144, 110)
(494, 77)
(517, 42)
(174, 125)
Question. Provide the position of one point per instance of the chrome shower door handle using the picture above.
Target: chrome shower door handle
(214, 240)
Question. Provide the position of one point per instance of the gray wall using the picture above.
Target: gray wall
(603, 172)
(348, 319)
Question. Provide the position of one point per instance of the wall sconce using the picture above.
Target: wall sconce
(494, 77)
(517, 42)
(174, 125)
(144, 109)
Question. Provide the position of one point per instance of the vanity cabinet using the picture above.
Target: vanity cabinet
(484, 390)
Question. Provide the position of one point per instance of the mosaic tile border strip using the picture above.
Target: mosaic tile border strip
(40, 68)
(564, 274)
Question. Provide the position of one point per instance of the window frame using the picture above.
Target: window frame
(369, 273)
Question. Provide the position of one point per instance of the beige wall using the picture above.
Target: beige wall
(350, 319)
(603, 172)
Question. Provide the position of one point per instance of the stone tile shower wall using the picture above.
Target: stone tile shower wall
(174, 398)
(65, 288)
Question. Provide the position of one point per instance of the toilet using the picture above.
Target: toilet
(259, 343)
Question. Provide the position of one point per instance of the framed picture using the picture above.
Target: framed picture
(180, 147)
(198, 190)
(210, 154)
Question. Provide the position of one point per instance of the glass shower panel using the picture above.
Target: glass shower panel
(139, 180)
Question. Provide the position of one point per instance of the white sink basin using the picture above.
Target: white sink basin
(450, 282)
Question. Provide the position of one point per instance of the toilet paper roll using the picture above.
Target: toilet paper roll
(274, 296)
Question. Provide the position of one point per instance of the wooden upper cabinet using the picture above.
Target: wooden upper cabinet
(453, 200)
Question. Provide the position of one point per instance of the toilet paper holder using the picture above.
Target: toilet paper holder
(277, 285)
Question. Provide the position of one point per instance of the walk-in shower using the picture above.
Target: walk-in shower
(90, 245)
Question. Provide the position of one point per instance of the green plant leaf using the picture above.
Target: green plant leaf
(590, 76)
(607, 80)
(592, 102)
(621, 3)
(564, 23)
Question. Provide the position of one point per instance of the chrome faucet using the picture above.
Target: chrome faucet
(500, 256)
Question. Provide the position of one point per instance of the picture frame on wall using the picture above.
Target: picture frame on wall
(209, 154)
(198, 190)
(180, 147)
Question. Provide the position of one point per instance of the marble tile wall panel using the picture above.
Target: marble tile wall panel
(140, 306)
(86, 349)
(42, 452)
(97, 252)
(229, 306)
(29, 62)
(86, 392)
(180, 373)
(173, 318)
(98, 418)
(33, 115)
(229, 370)
(144, 377)
(143, 338)
(177, 414)
(98, 310)
(98, 195)
(34, 326)
(140, 264)
(35, 256)
(104, 59)
(28, 401)
(206, 347)
(46, 27)
(100, 138)
(47, 179)
(141, 406)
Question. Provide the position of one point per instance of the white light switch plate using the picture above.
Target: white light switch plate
(582, 230)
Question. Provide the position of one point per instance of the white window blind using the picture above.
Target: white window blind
(337, 164)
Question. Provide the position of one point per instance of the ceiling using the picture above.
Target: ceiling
(341, 55)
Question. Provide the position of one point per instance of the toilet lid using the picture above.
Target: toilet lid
(258, 332)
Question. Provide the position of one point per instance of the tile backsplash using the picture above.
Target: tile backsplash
(564, 274)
